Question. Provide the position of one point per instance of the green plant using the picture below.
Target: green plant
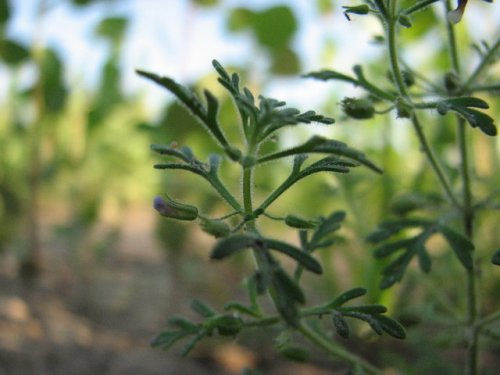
(239, 230)
(411, 95)
(422, 214)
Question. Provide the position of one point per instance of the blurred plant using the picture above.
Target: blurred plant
(238, 230)
(408, 235)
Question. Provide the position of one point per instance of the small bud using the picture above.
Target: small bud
(403, 110)
(216, 228)
(175, 210)
(358, 108)
(298, 222)
(357, 9)
(404, 21)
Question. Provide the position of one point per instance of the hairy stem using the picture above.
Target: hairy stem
(337, 351)
(472, 335)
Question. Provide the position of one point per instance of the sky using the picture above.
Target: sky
(175, 38)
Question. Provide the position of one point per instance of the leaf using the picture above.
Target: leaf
(191, 102)
(365, 309)
(462, 247)
(495, 259)
(346, 296)
(294, 353)
(475, 118)
(317, 144)
(4, 12)
(300, 256)
(391, 327)
(266, 30)
(12, 53)
(239, 19)
(112, 28)
(167, 338)
(285, 62)
(326, 75)
(374, 323)
(340, 324)
(286, 285)
(202, 308)
(241, 309)
(232, 244)
(285, 305)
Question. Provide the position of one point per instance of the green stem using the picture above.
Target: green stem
(337, 351)
(472, 336)
(398, 79)
(328, 346)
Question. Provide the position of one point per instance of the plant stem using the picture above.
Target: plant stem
(329, 346)
(398, 79)
(336, 350)
(472, 336)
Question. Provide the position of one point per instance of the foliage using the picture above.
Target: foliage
(411, 96)
(259, 122)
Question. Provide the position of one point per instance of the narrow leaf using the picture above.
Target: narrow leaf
(300, 256)
(202, 308)
(346, 296)
(232, 244)
(462, 247)
(391, 327)
(495, 259)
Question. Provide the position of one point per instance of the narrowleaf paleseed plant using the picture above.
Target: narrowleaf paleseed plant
(420, 216)
(260, 121)
(413, 95)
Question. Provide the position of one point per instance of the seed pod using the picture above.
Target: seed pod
(358, 108)
(175, 210)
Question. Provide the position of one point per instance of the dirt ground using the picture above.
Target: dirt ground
(87, 316)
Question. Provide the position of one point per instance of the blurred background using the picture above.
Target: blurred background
(89, 272)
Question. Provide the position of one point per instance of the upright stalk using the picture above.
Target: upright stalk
(328, 346)
(398, 78)
(472, 337)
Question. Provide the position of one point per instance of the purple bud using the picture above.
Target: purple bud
(174, 209)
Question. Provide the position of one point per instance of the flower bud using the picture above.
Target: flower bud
(358, 108)
(175, 210)
(216, 228)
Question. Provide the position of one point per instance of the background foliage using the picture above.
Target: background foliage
(75, 161)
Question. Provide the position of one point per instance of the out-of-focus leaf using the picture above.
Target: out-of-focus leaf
(202, 308)
(285, 62)
(51, 81)
(300, 256)
(391, 327)
(206, 3)
(347, 296)
(240, 19)
(324, 6)
(462, 247)
(294, 353)
(4, 11)
(112, 28)
(232, 244)
(495, 259)
(275, 27)
(12, 53)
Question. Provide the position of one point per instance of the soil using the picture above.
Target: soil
(94, 312)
